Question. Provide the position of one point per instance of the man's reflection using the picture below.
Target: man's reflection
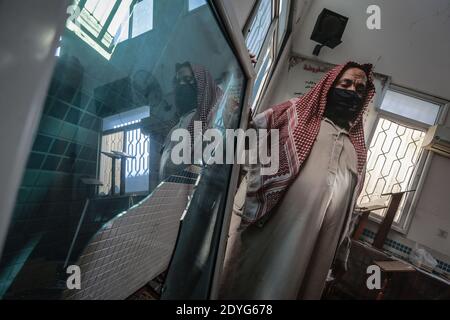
(186, 92)
(200, 99)
(197, 98)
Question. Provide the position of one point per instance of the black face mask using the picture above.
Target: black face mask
(185, 97)
(343, 106)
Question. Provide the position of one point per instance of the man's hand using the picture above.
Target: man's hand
(253, 58)
(250, 118)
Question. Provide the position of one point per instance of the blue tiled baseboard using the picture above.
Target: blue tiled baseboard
(405, 250)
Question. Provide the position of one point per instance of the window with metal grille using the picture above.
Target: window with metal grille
(265, 35)
(393, 158)
(260, 26)
(395, 155)
(122, 133)
(262, 75)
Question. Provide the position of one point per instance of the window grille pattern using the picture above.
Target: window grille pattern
(259, 27)
(392, 160)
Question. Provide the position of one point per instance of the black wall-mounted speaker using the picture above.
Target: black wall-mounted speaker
(328, 31)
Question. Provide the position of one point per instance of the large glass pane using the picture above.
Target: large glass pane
(283, 20)
(263, 73)
(410, 107)
(101, 24)
(259, 27)
(142, 17)
(119, 23)
(101, 190)
(100, 10)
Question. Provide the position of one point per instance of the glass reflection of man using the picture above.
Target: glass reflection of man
(197, 98)
(185, 85)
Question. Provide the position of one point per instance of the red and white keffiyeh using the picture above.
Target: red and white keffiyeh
(298, 121)
(208, 96)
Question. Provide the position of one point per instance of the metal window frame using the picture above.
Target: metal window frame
(275, 21)
(251, 19)
(424, 162)
(287, 29)
(419, 171)
(269, 41)
(225, 12)
(130, 22)
(127, 130)
(98, 39)
(271, 38)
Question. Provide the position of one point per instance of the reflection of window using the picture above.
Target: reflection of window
(137, 169)
(58, 49)
(259, 27)
(105, 23)
(283, 23)
(142, 17)
(262, 75)
(194, 4)
(121, 132)
(395, 158)
(266, 32)
(98, 21)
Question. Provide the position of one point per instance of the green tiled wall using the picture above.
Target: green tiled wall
(51, 196)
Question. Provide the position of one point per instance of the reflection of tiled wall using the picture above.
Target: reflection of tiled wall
(51, 196)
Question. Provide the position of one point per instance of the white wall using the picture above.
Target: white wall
(433, 208)
(413, 45)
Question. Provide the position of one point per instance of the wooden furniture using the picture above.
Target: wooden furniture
(385, 226)
(364, 217)
(123, 165)
(390, 268)
(118, 155)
